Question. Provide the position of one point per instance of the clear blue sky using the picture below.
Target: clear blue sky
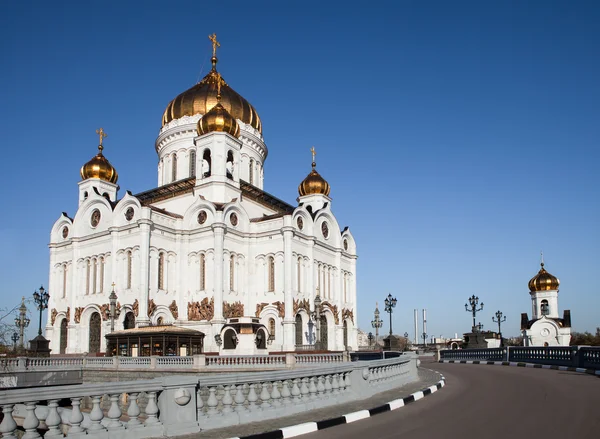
(459, 138)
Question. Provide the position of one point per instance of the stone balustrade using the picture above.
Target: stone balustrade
(184, 404)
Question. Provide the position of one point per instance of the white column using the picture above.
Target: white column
(288, 273)
(219, 233)
(142, 318)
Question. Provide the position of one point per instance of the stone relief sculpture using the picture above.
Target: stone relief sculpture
(53, 315)
(204, 310)
(348, 314)
(78, 312)
(280, 308)
(174, 310)
(260, 307)
(68, 314)
(136, 307)
(302, 304)
(334, 310)
(235, 309)
(151, 307)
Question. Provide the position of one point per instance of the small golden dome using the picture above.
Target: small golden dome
(99, 167)
(314, 184)
(203, 96)
(543, 281)
(218, 119)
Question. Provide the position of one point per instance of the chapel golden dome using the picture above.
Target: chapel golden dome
(99, 166)
(218, 119)
(203, 96)
(314, 183)
(543, 281)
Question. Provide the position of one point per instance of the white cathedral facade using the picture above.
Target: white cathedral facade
(208, 250)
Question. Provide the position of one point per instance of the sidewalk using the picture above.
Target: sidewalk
(426, 378)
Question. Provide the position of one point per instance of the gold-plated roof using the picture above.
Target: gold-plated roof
(99, 166)
(314, 183)
(218, 119)
(543, 281)
(203, 96)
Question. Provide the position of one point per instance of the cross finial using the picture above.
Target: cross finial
(113, 286)
(215, 44)
(314, 153)
(102, 135)
(542, 257)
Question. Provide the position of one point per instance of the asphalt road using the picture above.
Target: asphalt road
(488, 402)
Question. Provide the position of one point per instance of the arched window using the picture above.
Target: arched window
(192, 163)
(161, 271)
(271, 274)
(87, 277)
(545, 308)
(345, 287)
(202, 272)
(261, 339)
(206, 163)
(232, 273)
(229, 165)
(299, 330)
(63, 336)
(174, 167)
(94, 271)
(324, 333)
(272, 327)
(251, 173)
(129, 263)
(230, 339)
(94, 339)
(299, 269)
(64, 291)
(345, 335)
(101, 277)
(129, 321)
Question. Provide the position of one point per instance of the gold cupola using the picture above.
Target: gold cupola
(543, 281)
(218, 119)
(202, 97)
(314, 183)
(99, 166)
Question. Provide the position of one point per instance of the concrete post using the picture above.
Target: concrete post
(290, 360)
(152, 362)
(199, 362)
(177, 405)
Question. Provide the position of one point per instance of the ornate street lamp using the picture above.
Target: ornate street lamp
(376, 323)
(390, 304)
(22, 322)
(113, 307)
(370, 337)
(41, 300)
(15, 338)
(424, 335)
(317, 314)
(406, 335)
(473, 301)
(499, 319)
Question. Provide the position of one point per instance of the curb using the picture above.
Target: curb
(531, 365)
(309, 427)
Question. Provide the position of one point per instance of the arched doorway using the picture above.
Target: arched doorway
(324, 333)
(95, 333)
(261, 339)
(230, 339)
(63, 336)
(345, 335)
(129, 321)
(298, 330)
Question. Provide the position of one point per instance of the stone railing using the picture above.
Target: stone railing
(196, 362)
(185, 404)
(572, 356)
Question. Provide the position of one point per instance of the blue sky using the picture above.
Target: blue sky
(459, 138)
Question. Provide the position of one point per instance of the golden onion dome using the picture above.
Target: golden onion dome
(314, 184)
(218, 119)
(99, 167)
(203, 96)
(543, 281)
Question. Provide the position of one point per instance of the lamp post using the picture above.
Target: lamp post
(473, 301)
(390, 304)
(317, 314)
(113, 307)
(376, 323)
(499, 319)
(424, 335)
(22, 322)
(41, 300)
(370, 337)
(15, 338)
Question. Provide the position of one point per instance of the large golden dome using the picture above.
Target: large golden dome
(543, 281)
(203, 96)
(99, 167)
(218, 119)
(314, 184)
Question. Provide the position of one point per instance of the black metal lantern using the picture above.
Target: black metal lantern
(41, 298)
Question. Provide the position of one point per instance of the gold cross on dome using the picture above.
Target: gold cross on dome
(314, 152)
(215, 43)
(113, 286)
(102, 135)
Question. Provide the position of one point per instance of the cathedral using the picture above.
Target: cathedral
(207, 261)
(545, 328)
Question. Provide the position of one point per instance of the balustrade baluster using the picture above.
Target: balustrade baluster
(52, 420)
(275, 394)
(328, 387)
(76, 416)
(265, 396)
(31, 422)
(335, 385)
(96, 415)
(114, 413)
(151, 409)
(305, 390)
(239, 398)
(8, 425)
(296, 394)
(320, 386)
(227, 400)
(347, 381)
(212, 402)
(133, 411)
(252, 397)
(312, 388)
(199, 404)
(285, 392)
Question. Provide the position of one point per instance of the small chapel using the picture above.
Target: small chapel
(208, 261)
(545, 328)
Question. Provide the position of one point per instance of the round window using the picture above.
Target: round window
(129, 214)
(300, 222)
(346, 244)
(233, 219)
(325, 229)
(202, 217)
(95, 218)
(65, 232)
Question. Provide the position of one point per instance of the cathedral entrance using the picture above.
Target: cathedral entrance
(298, 330)
(345, 335)
(95, 331)
(63, 336)
(324, 333)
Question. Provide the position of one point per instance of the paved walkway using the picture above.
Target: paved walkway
(427, 378)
